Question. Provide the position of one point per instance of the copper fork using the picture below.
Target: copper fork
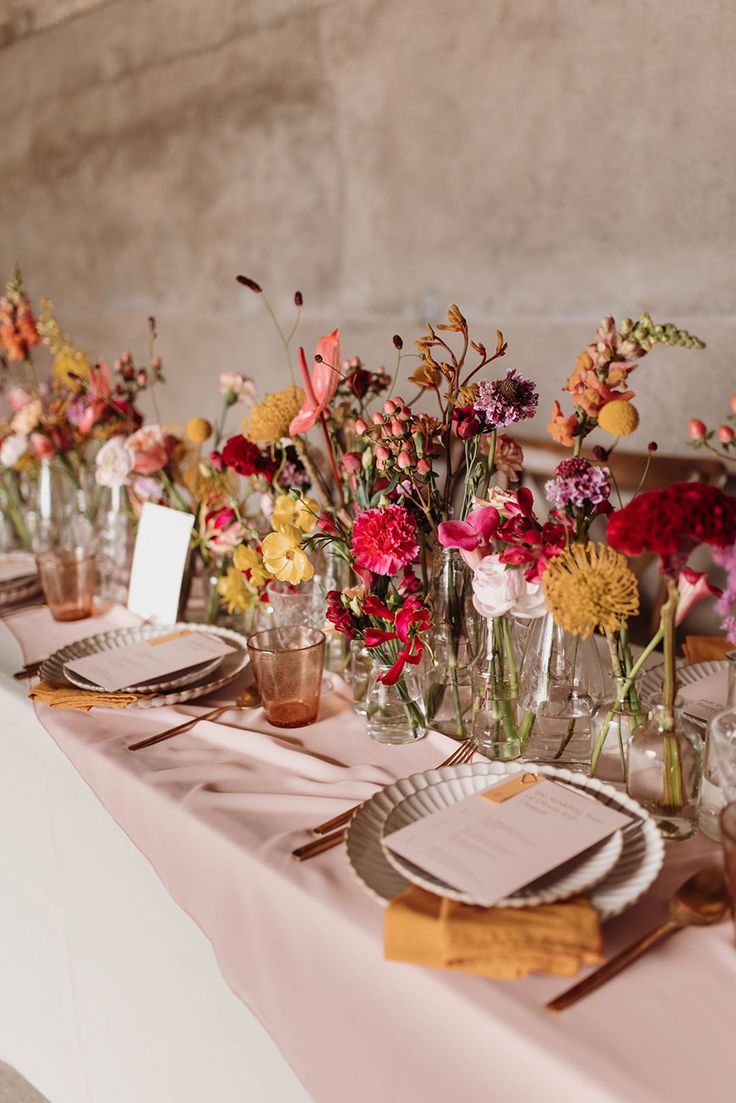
(326, 841)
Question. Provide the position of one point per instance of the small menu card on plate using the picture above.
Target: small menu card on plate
(149, 660)
(493, 843)
(17, 565)
(704, 698)
(159, 560)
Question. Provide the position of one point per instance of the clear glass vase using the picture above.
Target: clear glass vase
(665, 763)
(114, 529)
(711, 794)
(613, 720)
(562, 679)
(498, 728)
(394, 712)
(358, 675)
(454, 642)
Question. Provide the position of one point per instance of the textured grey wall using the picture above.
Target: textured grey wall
(540, 162)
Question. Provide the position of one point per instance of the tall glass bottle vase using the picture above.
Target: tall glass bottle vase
(499, 730)
(114, 528)
(455, 641)
(665, 764)
(562, 680)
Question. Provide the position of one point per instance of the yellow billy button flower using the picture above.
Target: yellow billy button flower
(301, 512)
(199, 430)
(618, 417)
(283, 556)
(249, 562)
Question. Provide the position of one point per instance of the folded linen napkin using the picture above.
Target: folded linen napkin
(69, 697)
(504, 943)
(701, 649)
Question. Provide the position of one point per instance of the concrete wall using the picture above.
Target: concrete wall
(540, 162)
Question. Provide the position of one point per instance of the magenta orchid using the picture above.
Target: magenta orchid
(474, 536)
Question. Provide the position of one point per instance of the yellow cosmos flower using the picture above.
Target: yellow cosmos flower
(301, 512)
(250, 563)
(284, 558)
(590, 586)
(234, 591)
(618, 417)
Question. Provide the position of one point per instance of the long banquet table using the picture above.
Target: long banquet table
(120, 874)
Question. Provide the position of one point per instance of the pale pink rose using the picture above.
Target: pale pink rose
(498, 590)
(17, 397)
(148, 446)
(12, 448)
(146, 489)
(114, 463)
(27, 418)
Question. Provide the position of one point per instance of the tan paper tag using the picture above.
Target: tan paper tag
(511, 788)
(168, 638)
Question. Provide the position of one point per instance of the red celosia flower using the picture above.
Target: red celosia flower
(246, 458)
(385, 540)
(671, 522)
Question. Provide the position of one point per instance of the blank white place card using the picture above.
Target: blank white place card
(159, 562)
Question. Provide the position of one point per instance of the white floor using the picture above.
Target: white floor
(14, 1089)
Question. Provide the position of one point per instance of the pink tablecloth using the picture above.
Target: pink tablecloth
(217, 812)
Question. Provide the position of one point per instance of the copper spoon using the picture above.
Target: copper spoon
(244, 701)
(701, 900)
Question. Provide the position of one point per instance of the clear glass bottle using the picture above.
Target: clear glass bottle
(358, 675)
(665, 764)
(612, 721)
(562, 679)
(711, 795)
(497, 732)
(394, 713)
(455, 640)
(114, 543)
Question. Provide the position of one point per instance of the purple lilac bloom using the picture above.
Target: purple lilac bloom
(726, 604)
(578, 483)
(504, 401)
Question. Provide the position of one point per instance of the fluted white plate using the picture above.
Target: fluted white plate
(637, 868)
(573, 877)
(15, 590)
(53, 669)
(650, 682)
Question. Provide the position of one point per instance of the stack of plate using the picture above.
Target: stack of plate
(613, 875)
(24, 582)
(174, 689)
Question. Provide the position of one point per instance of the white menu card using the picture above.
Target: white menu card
(493, 843)
(142, 662)
(704, 698)
(159, 561)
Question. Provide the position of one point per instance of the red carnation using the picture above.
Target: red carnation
(385, 540)
(246, 458)
(671, 522)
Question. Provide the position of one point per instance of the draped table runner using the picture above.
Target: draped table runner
(217, 812)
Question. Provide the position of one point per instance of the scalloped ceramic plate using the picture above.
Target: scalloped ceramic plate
(20, 589)
(637, 868)
(571, 878)
(650, 682)
(212, 678)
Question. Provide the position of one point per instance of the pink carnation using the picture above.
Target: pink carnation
(385, 540)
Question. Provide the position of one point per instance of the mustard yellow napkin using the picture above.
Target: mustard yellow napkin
(504, 943)
(69, 697)
(702, 649)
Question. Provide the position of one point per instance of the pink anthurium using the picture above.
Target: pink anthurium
(320, 386)
(693, 586)
(473, 537)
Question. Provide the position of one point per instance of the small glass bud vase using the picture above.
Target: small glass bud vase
(613, 720)
(496, 730)
(394, 712)
(358, 675)
(711, 795)
(665, 763)
(454, 642)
